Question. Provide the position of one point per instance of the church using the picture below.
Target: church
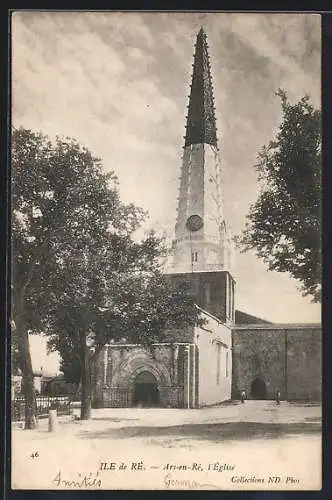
(233, 351)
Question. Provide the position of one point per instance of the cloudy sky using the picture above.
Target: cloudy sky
(119, 83)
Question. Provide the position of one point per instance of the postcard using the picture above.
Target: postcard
(166, 257)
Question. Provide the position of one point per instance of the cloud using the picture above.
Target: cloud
(119, 83)
(256, 33)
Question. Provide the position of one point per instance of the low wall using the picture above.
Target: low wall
(280, 357)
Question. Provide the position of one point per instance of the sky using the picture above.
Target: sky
(119, 84)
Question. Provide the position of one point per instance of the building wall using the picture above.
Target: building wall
(212, 291)
(190, 374)
(304, 370)
(200, 195)
(117, 366)
(285, 358)
(215, 362)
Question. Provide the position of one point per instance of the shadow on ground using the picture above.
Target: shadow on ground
(305, 404)
(215, 432)
(230, 402)
(107, 419)
(313, 419)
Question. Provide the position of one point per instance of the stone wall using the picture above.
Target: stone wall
(304, 370)
(279, 357)
(117, 366)
(189, 374)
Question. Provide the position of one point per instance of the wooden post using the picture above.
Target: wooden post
(193, 348)
(52, 421)
(187, 376)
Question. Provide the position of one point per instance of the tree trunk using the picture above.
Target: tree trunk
(27, 373)
(86, 386)
(78, 386)
(30, 403)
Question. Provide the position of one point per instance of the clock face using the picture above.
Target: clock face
(194, 223)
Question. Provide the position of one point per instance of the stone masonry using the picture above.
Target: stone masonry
(281, 357)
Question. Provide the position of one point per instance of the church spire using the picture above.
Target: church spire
(201, 121)
(202, 240)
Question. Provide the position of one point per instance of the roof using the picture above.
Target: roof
(278, 326)
(201, 121)
(242, 318)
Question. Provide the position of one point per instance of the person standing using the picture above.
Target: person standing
(243, 396)
(278, 397)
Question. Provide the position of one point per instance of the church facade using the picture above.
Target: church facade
(233, 351)
(178, 374)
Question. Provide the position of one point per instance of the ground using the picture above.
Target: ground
(255, 445)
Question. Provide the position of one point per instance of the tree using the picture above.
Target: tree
(70, 365)
(121, 293)
(283, 225)
(78, 274)
(62, 202)
(15, 353)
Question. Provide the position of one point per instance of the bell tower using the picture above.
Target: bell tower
(202, 242)
(202, 247)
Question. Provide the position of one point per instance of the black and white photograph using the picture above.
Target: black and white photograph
(165, 172)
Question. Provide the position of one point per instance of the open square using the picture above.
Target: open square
(226, 447)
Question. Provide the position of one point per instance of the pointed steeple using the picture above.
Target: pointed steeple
(201, 233)
(201, 121)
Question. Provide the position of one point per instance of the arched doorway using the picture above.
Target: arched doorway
(258, 389)
(146, 391)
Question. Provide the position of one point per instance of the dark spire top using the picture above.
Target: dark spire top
(201, 121)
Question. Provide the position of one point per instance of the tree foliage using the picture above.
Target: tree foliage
(283, 225)
(79, 276)
(62, 203)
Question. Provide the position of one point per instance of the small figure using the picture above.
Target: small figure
(278, 397)
(243, 396)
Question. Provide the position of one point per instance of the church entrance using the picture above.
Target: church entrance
(258, 389)
(146, 391)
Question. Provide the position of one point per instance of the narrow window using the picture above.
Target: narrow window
(230, 296)
(227, 296)
(194, 256)
(218, 363)
(232, 310)
(207, 293)
(226, 363)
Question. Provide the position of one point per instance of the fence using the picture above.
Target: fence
(118, 397)
(176, 396)
(62, 404)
